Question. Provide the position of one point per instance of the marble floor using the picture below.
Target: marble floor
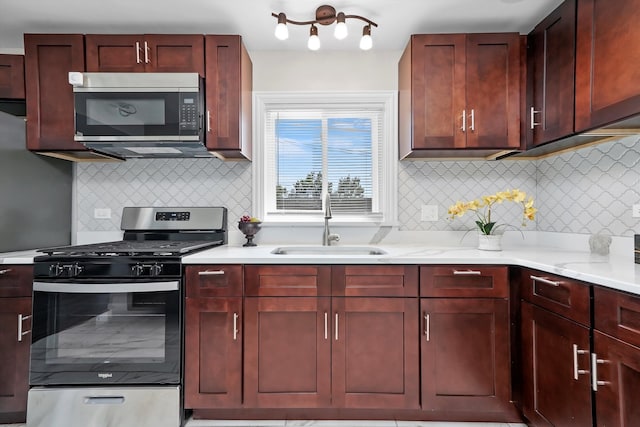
(308, 423)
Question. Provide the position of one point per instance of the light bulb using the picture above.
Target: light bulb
(314, 41)
(341, 31)
(366, 42)
(282, 32)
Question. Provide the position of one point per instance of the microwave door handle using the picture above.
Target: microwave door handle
(105, 288)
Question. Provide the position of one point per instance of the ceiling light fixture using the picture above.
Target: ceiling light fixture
(325, 15)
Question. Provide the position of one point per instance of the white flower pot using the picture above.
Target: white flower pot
(491, 242)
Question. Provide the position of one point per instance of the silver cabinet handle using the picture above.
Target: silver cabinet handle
(208, 121)
(137, 52)
(594, 372)
(473, 121)
(5, 271)
(22, 318)
(326, 325)
(467, 273)
(545, 281)
(533, 112)
(211, 273)
(576, 371)
(336, 326)
(146, 53)
(235, 326)
(464, 121)
(427, 326)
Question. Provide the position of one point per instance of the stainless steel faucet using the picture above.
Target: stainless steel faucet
(327, 237)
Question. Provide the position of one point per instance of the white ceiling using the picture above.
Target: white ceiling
(396, 19)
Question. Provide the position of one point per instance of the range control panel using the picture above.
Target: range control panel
(173, 216)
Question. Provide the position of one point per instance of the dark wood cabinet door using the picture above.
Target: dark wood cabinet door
(12, 76)
(374, 281)
(375, 361)
(456, 281)
(493, 91)
(432, 90)
(607, 62)
(14, 358)
(128, 53)
(228, 96)
(465, 355)
(287, 359)
(213, 280)
(116, 53)
(556, 369)
(16, 280)
(551, 59)
(287, 280)
(213, 353)
(50, 107)
(618, 382)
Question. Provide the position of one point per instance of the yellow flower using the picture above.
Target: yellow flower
(484, 221)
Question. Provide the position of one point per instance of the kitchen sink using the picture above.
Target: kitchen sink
(328, 250)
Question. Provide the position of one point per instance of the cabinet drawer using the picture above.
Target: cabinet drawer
(287, 281)
(617, 314)
(477, 281)
(375, 281)
(214, 280)
(16, 280)
(566, 297)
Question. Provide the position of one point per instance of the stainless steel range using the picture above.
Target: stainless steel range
(107, 322)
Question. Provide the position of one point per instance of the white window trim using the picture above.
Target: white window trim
(388, 175)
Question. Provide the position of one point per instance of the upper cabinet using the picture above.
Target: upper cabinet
(459, 95)
(12, 76)
(550, 86)
(228, 97)
(607, 62)
(50, 110)
(145, 53)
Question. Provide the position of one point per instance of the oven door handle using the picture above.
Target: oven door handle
(105, 288)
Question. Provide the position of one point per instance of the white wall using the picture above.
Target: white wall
(325, 70)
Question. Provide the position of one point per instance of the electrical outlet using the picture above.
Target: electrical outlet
(635, 210)
(102, 213)
(429, 213)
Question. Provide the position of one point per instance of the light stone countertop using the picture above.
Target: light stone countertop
(613, 271)
(617, 272)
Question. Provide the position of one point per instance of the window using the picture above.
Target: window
(310, 145)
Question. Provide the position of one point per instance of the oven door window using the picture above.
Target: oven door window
(130, 337)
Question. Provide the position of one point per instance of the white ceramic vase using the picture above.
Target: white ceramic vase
(491, 242)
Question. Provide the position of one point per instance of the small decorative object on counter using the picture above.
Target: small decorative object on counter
(599, 244)
(488, 235)
(249, 226)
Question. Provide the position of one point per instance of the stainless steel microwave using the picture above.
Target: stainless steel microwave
(140, 114)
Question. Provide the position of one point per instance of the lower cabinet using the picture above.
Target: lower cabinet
(15, 341)
(465, 341)
(556, 358)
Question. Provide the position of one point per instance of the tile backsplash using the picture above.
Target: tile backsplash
(584, 191)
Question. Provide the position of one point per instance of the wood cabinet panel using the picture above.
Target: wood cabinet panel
(556, 371)
(14, 358)
(607, 62)
(280, 280)
(228, 96)
(464, 281)
(214, 281)
(465, 355)
(213, 353)
(145, 53)
(459, 92)
(617, 314)
(551, 72)
(567, 297)
(287, 352)
(50, 108)
(12, 76)
(618, 387)
(366, 374)
(379, 281)
(16, 280)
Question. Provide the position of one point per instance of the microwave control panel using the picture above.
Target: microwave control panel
(189, 107)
